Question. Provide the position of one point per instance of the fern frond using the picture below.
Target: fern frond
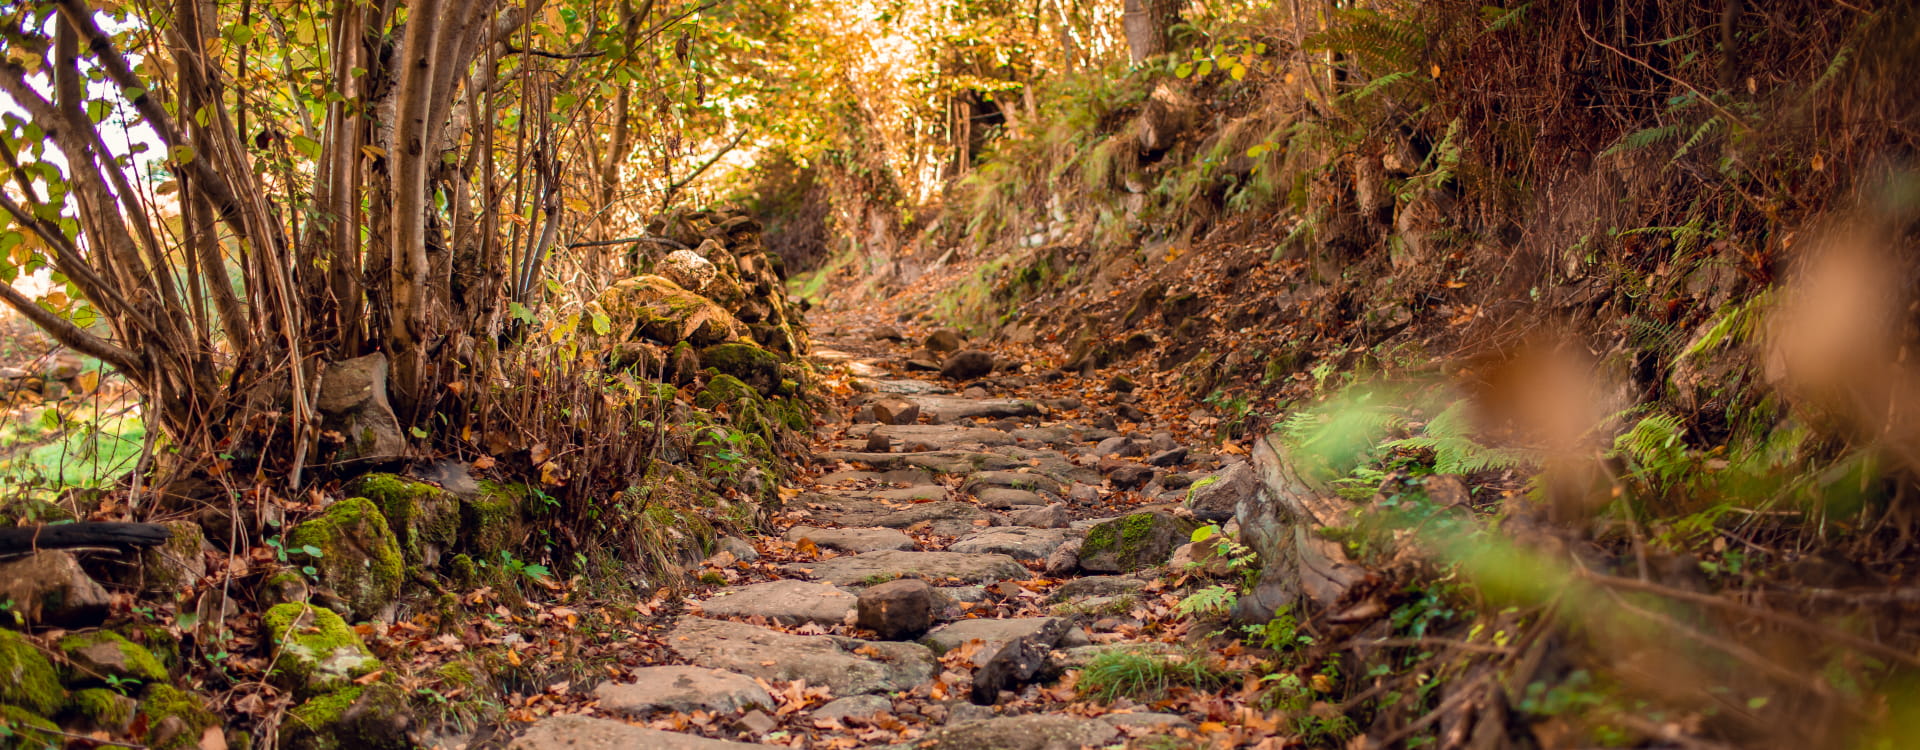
(1640, 139)
(1385, 44)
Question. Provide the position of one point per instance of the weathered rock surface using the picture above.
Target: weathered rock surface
(876, 567)
(587, 733)
(1001, 498)
(49, 588)
(853, 540)
(353, 402)
(1049, 517)
(1017, 480)
(942, 409)
(1031, 732)
(681, 688)
(820, 660)
(938, 462)
(1132, 542)
(1018, 542)
(967, 365)
(897, 610)
(942, 437)
(1214, 501)
(785, 602)
(853, 706)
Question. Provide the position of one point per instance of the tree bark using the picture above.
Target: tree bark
(1148, 24)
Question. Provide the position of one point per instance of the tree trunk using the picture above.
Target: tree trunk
(1147, 24)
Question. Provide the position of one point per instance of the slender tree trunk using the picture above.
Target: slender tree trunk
(1147, 24)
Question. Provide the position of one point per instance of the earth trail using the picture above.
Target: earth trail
(959, 548)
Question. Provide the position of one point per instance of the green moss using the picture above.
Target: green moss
(25, 729)
(318, 652)
(174, 565)
(27, 679)
(490, 521)
(464, 571)
(103, 708)
(155, 638)
(166, 701)
(360, 557)
(725, 389)
(423, 517)
(331, 721)
(1123, 538)
(791, 413)
(749, 363)
(134, 661)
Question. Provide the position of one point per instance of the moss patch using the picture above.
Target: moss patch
(27, 679)
(425, 518)
(726, 389)
(162, 702)
(101, 654)
(354, 717)
(491, 521)
(25, 729)
(318, 652)
(104, 708)
(360, 558)
(1132, 542)
(749, 363)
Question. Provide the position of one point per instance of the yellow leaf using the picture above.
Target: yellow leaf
(1817, 163)
(1212, 727)
(1435, 71)
(513, 657)
(373, 152)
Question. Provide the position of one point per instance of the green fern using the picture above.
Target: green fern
(1449, 436)
(1384, 44)
(1640, 139)
(1655, 451)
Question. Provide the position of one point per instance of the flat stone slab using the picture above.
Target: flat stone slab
(853, 705)
(1152, 722)
(910, 494)
(938, 462)
(588, 733)
(1042, 632)
(950, 408)
(857, 512)
(880, 666)
(1018, 542)
(1031, 732)
(941, 437)
(1007, 497)
(901, 386)
(875, 567)
(897, 476)
(852, 540)
(786, 602)
(981, 481)
(682, 689)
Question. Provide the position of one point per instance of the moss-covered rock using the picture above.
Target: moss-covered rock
(156, 639)
(791, 413)
(174, 719)
(463, 571)
(360, 557)
(179, 563)
(318, 653)
(493, 519)
(726, 389)
(375, 716)
(656, 308)
(283, 586)
(101, 655)
(27, 679)
(103, 709)
(1133, 542)
(26, 730)
(425, 518)
(749, 363)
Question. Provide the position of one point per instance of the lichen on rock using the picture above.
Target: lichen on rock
(102, 654)
(491, 521)
(360, 558)
(1132, 542)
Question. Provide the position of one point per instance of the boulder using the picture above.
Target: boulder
(375, 717)
(638, 357)
(689, 269)
(878, 567)
(1002, 498)
(895, 411)
(785, 602)
(359, 560)
(1132, 542)
(1118, 446)
(179, 563)
(853, 706)
(846, 666)
(967, 365)
(102, 656)
(1030, 732)
(1011, 652)
(1020, 480)
(49, 588)
(424, 518)
(897, 610)
(656, 308)
(753, 365)
(944, 340)
(683, 689)
(317, 653)
(1213, 499)
(353, 403)
(1169, 458)
(1126, 475)
(1281, 521)
(1064, 559)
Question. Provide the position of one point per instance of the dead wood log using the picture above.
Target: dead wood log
(114, 534)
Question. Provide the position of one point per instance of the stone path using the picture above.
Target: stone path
(949, 551)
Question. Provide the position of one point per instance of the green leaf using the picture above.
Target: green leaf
(1205, 532)
(520, 312)
(601, 323)
(311, 551)
(1183, 70)
(98, 109)
(307, 146)
(1205, 68)
(417, 432)
(182, 155)
(1239, 72)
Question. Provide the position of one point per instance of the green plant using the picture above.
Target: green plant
(1143, 676)
(516, 566)
(1212, 601)
(122, 685)
(1281, 633)
(1448, 435)
(281, 553)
